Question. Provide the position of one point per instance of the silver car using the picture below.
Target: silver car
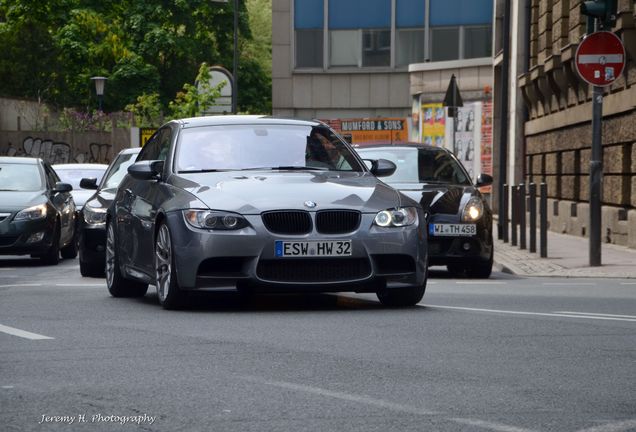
(258, 204)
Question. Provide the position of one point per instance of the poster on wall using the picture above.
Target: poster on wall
(388, 130)
(463, 134)
(433, 124)
(486, 142)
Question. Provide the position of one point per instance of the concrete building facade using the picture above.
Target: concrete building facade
(350, 58)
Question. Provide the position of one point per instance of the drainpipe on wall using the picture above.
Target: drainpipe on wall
(503, 132)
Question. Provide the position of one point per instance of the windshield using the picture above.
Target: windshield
(247, 147)
(118, 170)
(20, 177)
(416, 165)
(74, 176)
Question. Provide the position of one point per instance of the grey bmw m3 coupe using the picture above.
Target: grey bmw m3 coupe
(258, 204)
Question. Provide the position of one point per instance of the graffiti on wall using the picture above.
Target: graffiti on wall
(56, 152)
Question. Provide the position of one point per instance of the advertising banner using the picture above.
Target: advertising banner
(372, 131)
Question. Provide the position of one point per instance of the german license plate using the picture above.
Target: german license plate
(313, 248)
(452, 230)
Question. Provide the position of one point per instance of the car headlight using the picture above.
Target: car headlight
(94, 216)
(32, 213)
(399, 217)
(473, 210)
(215, 220)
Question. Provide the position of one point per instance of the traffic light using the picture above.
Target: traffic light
(602, 10)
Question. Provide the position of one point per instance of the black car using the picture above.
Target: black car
(459, 218)
(92, 218)
(37, 212)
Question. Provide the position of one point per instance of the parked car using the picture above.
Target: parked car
(73, 174)
(459, 218)
(37, 212)
(92, 218)
(249, 203)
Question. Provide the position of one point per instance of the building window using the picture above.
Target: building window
(409, 46)
(344, 48)
(376, 47)
(444, 43)
(360, 33)
(308, 24)
(477, 42)
(409, 32)
(309, 48)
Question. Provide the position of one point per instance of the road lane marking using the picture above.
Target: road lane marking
(480, 282)
(597, 314)
(507, 312)
(81, 285)
(568, 283)
(7, 387)
(339, 395)
(490, 425)
(612, 427)
(21, 333)
(628, 283)
(20, 285)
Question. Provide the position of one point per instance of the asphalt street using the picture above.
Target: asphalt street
(510, 354)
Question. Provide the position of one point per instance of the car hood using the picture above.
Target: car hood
(103, 198)
(18, 200)
(257, 192)
(438, 198)
(80, 196)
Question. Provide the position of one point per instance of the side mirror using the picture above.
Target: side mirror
(146, 170)
(382, 168)
(89, 183)
(61, 187)
(483, 180)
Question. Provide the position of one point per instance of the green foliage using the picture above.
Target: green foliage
(194, 100)
(146, 111)
(51, 48)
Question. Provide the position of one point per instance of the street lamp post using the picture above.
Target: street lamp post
(100, 82)
(234, 56)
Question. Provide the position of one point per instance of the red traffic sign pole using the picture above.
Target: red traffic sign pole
(599, 60)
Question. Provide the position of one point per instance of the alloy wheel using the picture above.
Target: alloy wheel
(163, 263)
(110, 255)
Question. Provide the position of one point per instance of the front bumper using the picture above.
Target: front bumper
(16, 237)
(92, 242)
(461, 249)
(246, 259)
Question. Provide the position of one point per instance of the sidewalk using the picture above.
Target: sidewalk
(568, 256)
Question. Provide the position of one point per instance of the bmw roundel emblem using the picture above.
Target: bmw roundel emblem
(310, 204)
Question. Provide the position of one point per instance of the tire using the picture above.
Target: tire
(481, 270)
(168, 291)
(401, 297)
(117, 284)
(52, 256)
(70, 250)
(91, 269)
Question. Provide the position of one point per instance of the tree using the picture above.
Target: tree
(51, 48)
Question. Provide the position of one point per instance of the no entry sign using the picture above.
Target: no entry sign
(600, 58)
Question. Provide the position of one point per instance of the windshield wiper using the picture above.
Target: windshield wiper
(203, 171)
(286, 168)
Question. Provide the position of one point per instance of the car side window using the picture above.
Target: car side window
(165, 136)
(51, 176)
(151, 148)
